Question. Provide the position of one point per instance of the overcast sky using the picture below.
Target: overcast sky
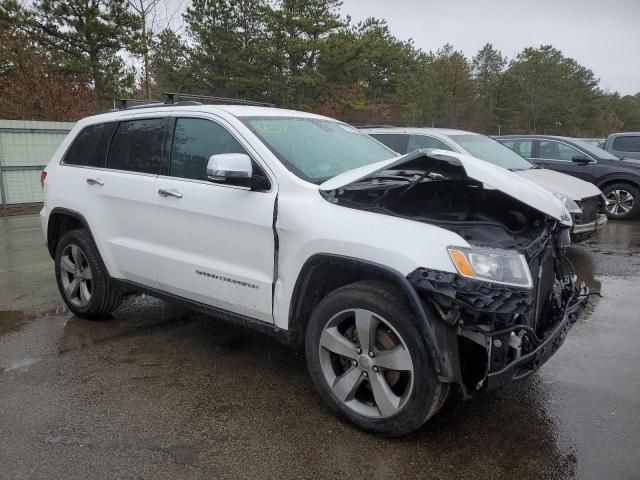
(603, 35)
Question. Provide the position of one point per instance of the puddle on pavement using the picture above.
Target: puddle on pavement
(12, 321)
(620, 235)
(22, 364)
(583, 267)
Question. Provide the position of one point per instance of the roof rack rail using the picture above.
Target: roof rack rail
(376, 126)
(176, 98)
(127, 103)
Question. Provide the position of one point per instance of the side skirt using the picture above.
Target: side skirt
(284, 336)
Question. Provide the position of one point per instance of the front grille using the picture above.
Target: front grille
(589, 208)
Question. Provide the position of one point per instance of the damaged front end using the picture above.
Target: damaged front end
(504, 333)
(507, 313)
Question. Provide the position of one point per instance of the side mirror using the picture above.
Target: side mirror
(230, 169)
(582, 159)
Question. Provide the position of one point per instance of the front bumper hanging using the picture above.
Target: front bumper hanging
(531, 361)
(493, 313)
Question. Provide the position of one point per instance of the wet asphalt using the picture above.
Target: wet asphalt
(161, 392)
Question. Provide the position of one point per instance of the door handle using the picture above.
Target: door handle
(170, 193)
(95, 181)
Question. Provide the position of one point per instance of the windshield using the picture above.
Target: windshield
(317, 149)
(492, 151)
(595, 151)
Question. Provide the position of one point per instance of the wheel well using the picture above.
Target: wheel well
(606, 183)
(322, 275)
(61, 222)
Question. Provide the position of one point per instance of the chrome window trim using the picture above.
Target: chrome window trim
(213, 184)
(105, 169)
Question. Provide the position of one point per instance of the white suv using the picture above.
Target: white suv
(401, 277)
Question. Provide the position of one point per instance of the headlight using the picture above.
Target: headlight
(568, 203)
(492, 265)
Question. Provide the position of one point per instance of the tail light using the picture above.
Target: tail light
(43, 177)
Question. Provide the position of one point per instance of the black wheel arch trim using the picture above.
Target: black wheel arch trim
(618, 178)
(69, 213)
(427, 329)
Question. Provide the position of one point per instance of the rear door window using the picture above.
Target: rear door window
(89, 149)
(551, 150)
(396, 142)
(137, 145)
(627, 144)
(423, 141)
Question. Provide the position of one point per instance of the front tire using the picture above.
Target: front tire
(622, 201)
(368, 361)
(84, 284)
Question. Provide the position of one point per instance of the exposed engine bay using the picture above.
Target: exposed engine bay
(439, 193)
(498, 333)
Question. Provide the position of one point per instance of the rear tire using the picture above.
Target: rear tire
(359, 382)
(622, 201)
(83, 281)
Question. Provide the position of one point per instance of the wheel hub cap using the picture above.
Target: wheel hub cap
(75, 276)
(619, 202)
(366, 363)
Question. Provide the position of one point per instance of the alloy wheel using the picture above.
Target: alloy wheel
(76, 276)
(366, 363)
(619, 202)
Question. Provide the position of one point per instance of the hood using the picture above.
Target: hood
(557, 182)
(490, 175)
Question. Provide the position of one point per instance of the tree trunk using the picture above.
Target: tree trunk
(97, 80)
(145, 55)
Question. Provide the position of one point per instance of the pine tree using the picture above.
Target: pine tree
(89, 34)
(488, 66)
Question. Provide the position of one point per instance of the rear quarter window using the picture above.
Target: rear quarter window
(89, 148)
(627, 144)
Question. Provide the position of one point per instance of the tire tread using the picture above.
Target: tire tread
(394, 299)
(105, 296)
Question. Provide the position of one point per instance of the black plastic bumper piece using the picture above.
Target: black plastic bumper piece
(530, 362)
(478, 296)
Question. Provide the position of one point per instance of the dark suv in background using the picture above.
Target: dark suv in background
(619, 179)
